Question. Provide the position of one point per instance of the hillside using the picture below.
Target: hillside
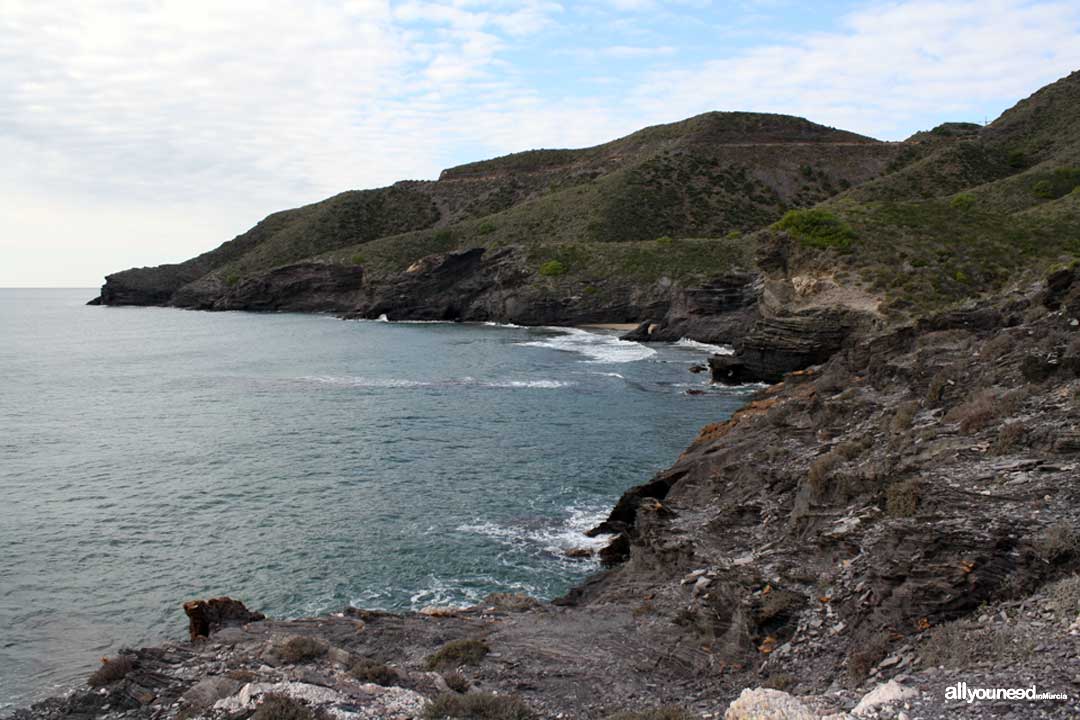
(595, 211)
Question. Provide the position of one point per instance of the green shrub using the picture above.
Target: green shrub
(357, 259)
(552, 268)
(664, 240)
(478, 706)
(486, 228)
(231, 280)
(1043, 189)
(110, 671)
(817, 228)
(458, 652)
(734, 234)
(963, 201)
(1060, 183)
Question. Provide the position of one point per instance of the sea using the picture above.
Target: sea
(303, 463)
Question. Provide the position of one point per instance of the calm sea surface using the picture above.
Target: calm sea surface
(149, 456)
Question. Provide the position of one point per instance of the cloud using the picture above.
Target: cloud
(888, 66)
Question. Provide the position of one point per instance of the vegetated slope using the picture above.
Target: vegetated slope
(977, 214)
(706, 177)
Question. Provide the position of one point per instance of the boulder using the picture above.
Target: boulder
(884, 694)
(766, 704)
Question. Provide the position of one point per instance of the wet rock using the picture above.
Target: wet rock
(579, 553)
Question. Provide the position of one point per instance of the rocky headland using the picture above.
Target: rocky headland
(895, 512)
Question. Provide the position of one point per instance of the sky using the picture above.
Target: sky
(134, 133)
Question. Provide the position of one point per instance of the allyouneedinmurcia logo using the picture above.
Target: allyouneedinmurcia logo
(963, 691)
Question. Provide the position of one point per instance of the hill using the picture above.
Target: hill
(606, 215)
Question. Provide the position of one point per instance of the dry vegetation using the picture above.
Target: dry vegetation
(478, 706)
(111, 670)
(455, 653)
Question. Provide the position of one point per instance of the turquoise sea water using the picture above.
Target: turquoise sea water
(149, 456)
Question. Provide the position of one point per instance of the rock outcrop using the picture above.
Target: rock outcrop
(206, 617)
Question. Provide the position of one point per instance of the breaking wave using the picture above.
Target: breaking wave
(597, 347)
(362, 382)
(706, 347)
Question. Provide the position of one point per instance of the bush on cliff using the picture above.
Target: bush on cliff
(818, 228)
(552, 268)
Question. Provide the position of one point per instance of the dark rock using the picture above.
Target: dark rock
(729, 370)
(207, 616)
(1038, 368)
(302, 287)
(698, 369)
(642, 333)
(1058, 285)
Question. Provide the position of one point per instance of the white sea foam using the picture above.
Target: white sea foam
(706, 347)
(545, 384)
(600, 348)
(556, 538)
(363, 382)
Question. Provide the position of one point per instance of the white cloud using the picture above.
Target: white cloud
(888, 66)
